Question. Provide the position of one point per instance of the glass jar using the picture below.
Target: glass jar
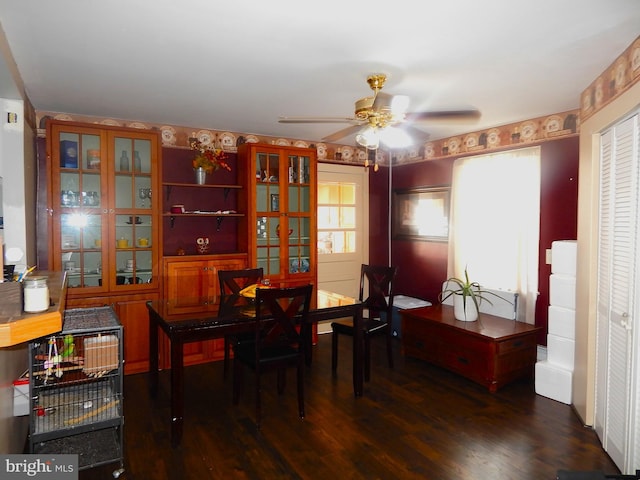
(93, 159)
(36, 294)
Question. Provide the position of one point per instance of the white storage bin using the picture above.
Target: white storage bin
(561, 351)
(554, 382)
(562, 291)
(402, 302)
(562, 322)
(563, 257)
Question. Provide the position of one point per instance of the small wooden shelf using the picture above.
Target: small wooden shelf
(195, 185)
(219, 216)
(226, 188)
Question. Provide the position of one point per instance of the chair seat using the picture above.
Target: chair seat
(246, 352)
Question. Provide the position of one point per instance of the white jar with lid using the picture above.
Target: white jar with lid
(36, 294)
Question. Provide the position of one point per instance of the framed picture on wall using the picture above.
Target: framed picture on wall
(421, 213)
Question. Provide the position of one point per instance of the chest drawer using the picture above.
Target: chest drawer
(517, 343)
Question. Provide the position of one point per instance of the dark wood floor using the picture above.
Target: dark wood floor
(416, 421)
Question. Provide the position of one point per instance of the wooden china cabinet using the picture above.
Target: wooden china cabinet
(281, 211)
(102, 223)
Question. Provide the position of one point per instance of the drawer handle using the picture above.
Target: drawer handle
(463, 360)
(420, 345)
(518, 343)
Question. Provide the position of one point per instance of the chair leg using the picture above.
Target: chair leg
(258, 406)
(301, 389)
(334, 351)
(389, 351)
(237, 381)
(282, 380)
(367, 358)
(226, 357)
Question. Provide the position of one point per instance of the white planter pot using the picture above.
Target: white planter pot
(470, 314)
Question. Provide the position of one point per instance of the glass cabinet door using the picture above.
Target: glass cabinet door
(299, 221)
(132, 229)
(283, 201)
(103, 234)
(80, 206)
(267, 167)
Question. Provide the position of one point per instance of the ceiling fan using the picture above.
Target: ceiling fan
(384, 118)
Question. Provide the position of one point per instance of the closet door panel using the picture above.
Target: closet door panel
(618, 262)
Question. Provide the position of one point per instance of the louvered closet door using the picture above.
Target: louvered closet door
(618, 262)
(604, 286)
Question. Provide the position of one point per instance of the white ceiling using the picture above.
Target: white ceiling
(241, 64)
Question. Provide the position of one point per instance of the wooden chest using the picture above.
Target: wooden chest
(491, 351)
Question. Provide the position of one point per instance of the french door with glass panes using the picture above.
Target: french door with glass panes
(102, 215)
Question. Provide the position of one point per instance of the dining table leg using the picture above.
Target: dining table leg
(358, 353)
(177, 391)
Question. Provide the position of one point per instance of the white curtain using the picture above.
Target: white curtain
(495, 223)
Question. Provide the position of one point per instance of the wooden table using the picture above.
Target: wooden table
(221, 316)
(491, 351)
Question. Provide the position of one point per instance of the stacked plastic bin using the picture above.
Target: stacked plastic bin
(554, 376)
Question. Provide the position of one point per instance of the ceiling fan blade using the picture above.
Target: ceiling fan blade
(397, 104)
(443, 115)
(418, 136)
(345, 132)
(316, 120)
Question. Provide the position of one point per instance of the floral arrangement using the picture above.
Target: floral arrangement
(211, 159)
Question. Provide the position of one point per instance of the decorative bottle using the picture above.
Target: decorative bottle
(124, 162)
(137, 162)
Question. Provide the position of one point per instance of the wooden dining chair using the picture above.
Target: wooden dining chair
(279, 331)
(232, 282)
(380, 279)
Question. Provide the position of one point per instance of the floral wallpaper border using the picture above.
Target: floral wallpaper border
(621, 75)
(530, 131)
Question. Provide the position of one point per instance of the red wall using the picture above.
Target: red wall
(422, 266)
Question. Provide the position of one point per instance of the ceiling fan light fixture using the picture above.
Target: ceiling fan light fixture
(395, 137)
(368, 138)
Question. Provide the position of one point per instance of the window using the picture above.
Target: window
(336, 217)
(495, 223)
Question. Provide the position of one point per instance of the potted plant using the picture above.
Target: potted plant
(467, 297)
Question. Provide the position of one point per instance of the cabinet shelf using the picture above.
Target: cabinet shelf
(195, 185)
(219, 216)
(226, 188)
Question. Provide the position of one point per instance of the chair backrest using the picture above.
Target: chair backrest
(282, 317)
(381, 280)
(232, 281)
